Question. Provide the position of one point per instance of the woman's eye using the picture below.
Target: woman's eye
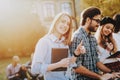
(107, 27)
(63, 21)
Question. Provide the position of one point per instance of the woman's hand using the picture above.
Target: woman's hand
(64, 62)
(109, 46)
(72, 59)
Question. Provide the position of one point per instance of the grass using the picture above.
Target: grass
(5, 62)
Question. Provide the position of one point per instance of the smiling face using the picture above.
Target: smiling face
(63, 25)
(107, 29)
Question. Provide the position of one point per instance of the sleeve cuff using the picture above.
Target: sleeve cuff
(44, 68)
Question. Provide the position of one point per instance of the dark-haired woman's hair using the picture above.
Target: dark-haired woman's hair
(106, 20)
(102, 38)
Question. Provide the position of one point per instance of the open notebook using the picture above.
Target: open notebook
(57, 55)
(115, 55)
(113, 63)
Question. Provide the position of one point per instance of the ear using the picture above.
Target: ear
(88, 20)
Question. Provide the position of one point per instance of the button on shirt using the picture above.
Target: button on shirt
(42, 57)
(90, 58)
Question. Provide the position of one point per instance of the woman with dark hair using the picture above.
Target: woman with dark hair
(116, 33)
(106, 43)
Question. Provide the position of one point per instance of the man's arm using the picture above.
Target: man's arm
(84, 71)
(102, 67)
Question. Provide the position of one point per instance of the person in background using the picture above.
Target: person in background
(32, 76)
(13, 68)
(59, 36)
(116, 33)
(88, 64)
(28, 63)
(23, 73)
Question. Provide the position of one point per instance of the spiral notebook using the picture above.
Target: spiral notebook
(57, 55)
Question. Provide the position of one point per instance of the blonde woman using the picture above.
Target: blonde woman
(59, 36)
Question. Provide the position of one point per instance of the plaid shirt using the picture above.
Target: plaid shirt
(90, 58)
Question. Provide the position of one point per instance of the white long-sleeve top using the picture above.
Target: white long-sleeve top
(103, 54)
(116, 36)
(42, 57)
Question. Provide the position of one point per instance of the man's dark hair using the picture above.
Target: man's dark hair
(117, 26)
(89, 12)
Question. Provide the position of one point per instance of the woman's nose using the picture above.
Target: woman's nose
(66, 25)
(110, 30)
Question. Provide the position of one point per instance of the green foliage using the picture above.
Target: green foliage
(108, 7)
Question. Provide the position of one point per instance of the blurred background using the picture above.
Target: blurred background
(24, 22)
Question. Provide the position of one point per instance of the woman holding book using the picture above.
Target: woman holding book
(59, 36)
(107, 45)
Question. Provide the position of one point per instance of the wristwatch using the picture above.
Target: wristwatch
(76, 55)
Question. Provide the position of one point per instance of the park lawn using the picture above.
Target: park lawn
(5, 62)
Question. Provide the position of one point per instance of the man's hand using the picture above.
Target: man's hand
(106, 76)
(80, 49)
(116, 74)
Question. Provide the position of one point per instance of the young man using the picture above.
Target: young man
(88, 64)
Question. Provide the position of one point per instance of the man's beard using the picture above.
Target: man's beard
(92, 29)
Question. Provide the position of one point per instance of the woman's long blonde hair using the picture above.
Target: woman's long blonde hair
(68, 33)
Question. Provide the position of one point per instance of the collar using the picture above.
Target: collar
(84, 32)
(55, 39)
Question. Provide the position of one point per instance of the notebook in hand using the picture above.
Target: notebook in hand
(115, 65)
(57, 55)
(115, 55)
